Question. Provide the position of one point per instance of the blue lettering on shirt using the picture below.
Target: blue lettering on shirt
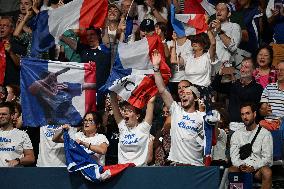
(3, 139)
(129, 139)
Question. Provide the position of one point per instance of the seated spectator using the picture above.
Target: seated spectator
(134, 133)
(89, 138)
(243, 90)
(272, 99)
(258, 161)
(13, 93)
(16, 147)
(3, 94)
(264, 73)
(153, 9)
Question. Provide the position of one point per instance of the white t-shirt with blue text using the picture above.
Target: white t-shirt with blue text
(187, 134)
(133, 143)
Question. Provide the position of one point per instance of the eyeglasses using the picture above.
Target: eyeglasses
(89, 121)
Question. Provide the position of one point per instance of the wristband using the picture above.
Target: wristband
(89, 146)
(221, 32)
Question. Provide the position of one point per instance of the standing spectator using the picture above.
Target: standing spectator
(180, 47)
(153, 9)
(134, 133)
(3, 93)
(228, 36)
(89, 138)
(16, 147)
(97, 52)
(264, 73)
(243, 90)
(275, 15)
(252, 17)
(12, 71)
(186, 122)
(260, 158)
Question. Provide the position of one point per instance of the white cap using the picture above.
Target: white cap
(194, 90)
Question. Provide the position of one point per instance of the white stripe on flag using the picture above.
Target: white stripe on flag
(135, 55)
(124, 87)
(67, 19)
(185, 17)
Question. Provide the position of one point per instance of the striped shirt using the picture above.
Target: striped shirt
(275, 97)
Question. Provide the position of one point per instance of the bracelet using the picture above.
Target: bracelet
(220, 32)
(156, 69)
(89, 146)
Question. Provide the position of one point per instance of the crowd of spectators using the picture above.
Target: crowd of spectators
(235, 67)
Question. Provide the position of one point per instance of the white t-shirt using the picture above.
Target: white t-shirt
(12, 145)
(133, 143)
(187, 133)
(184, 51)
(224, 53)
(146, 14)
(262, 148)
(218, 152)
(94, 140)
(51, 154)
(198, 70)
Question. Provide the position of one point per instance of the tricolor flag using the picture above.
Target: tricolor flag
(2, 62)
(77, 159)
(198, 7)
(132, 74)
(188, 24)
(55, 93)
(49, 25)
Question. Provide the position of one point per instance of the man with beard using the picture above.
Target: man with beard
(243, 90)
(187, 123)
(15, 145)
(260, 159)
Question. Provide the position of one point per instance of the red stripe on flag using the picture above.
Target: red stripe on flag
(147, 88)
(93, 13)
(90, 95)
(199, 23)
(193, 7)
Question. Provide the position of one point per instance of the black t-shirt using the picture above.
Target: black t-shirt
(102, 57)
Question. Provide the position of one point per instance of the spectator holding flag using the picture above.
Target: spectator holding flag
(187, 124)
(89, 138)
(134, 133)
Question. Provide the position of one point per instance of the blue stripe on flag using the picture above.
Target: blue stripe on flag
(177, 25)
(31, 70)
(42, 40)
(117, 72)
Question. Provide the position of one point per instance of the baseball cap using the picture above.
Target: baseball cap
(147, 25)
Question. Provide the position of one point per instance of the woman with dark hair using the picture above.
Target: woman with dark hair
(89, 138)
(153, 9)
(134, 133)
(198, 64)
(264, 73)
(13, 93)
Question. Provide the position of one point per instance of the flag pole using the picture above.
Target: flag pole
(129, 10)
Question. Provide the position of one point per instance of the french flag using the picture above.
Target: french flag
(132, 76)
(188, 24)
(49, 25)
(198, 7)
(77, 159)
(56, 93)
